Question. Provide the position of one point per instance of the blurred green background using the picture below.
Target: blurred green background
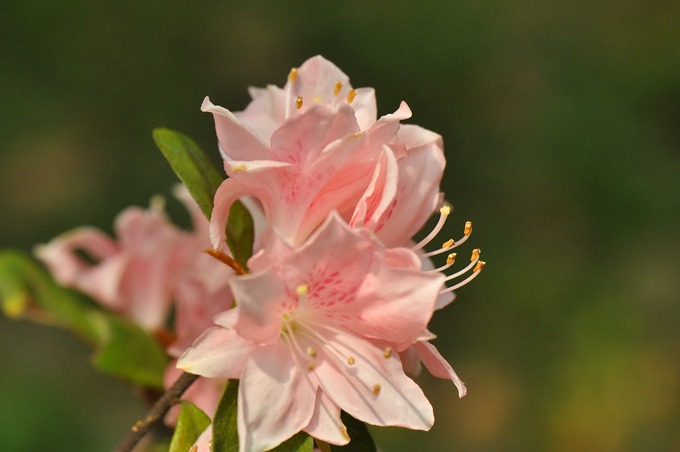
(561, 121)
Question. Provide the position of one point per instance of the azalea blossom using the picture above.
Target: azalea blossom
(319, 329)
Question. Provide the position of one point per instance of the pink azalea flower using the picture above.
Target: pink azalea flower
(303, 150)
(318, 329)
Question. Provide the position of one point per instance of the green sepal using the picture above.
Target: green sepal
(191, 166)
(190, 424)
(122, 348)
(225, 429)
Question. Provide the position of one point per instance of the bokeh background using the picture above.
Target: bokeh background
(561, 122)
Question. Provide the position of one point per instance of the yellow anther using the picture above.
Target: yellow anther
(194, 448)
(293, 74)
(376, 389)
(338, 87)
(310, 367)
(448, 243)
(475, 254)
(302, 290)
(388, 352)
(241, 167)
(445, 210)
(298, 102)
(316, 99)
(350, 96)
(451, 258)
(350, 360)
(210, 444)
(479, 266)
(311, 351)
(468, 228)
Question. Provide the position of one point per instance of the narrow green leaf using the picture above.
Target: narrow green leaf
(225, 430)
(301, 442)
(240, 234)
(361, 440)
(122, 348)
(131, 353)
(190, 424)
(191, 166)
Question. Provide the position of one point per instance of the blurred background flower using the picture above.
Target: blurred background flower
(561, 125)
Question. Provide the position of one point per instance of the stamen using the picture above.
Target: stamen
(311, 351)
(474, 274)
(475, 258)
(443, 213)
(350, 360)
(388, 352)
(310, 367)
(376, 389)
(448, 243)
(298, 102)
(468, 228)
(338, 87)
(316, 99)
(210, 444)
(450, 260)
(293, 74)
(194, 448)
(351, 95)
(301, 291)
(227, 260)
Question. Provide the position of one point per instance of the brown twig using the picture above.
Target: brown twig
(156, 412)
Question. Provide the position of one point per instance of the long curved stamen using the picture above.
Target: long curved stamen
(473, 262)
(451, 244)
(477, 271)
(443, 213)
(289, 101)
(290, 336)
(450, 260)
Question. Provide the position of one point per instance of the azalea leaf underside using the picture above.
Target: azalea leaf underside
(121, 347)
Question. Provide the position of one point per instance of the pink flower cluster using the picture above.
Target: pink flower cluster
(337, 302)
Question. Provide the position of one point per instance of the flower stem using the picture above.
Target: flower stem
(156, 412)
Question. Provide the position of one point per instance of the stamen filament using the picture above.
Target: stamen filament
(450, 260)
(465, 270)
(447, 248)
(462, 283)
(444, 212)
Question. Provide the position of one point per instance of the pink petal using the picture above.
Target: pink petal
(228, 193)
(204, 442)
(410, 361)
(444, 299)
(316, 80)
(265, 113)
(275, 399)
(403, 258)
(236, 139)
(261, 300)
(365, 107)
(380, 193)
(398, 402)
(325, 423)
(387, 127)
(218, 353)
(438, 366)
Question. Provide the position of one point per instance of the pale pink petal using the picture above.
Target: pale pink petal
(325, 423)
(204, 442)
(374, 388)
(205, 393)
(226, 319)
(444, 299)
(265, 113)
(302, 137)
(275, 400)
(218, 353)
(379, 194)
(236, 139)
(387, 126)
(261, 299)
(227, 193)
(316, 80)
(411, 361)
(438, 366)
(365, 107)
(403, 258)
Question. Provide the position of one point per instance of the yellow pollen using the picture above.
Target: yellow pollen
(480, 265)
(338, 87)
(445, 210)
(194, 448)
(210, 444)
(302, 290)
(475, 254)
(311, 351)
(388, 352)
(468, 228)
(241, 167)
(293, 74)
(351, 95)
(317, 99)
(310, 367)
(350, 360)
(376, 389)
(451, 258)
(448, 243)
(298, 102)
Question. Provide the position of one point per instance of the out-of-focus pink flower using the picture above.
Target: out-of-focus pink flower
(316, 331)
(301, 163)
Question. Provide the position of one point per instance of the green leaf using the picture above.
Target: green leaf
(129, 352)
(301, 442)
(122, 348)
(191, 166)
(240, 234)
(190, 424)
(361, 440)
(225, 431)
